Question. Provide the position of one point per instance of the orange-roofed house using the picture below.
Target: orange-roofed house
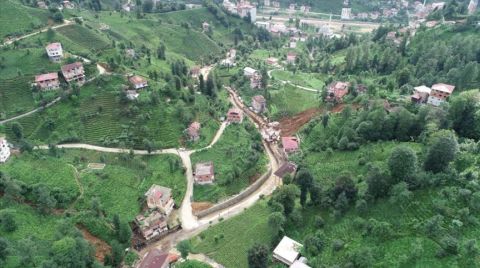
(235, 115)
(54, 51)
(195, 71)
(161, 198)
(440, 93)
(290, 145)
(155, 259)
(74, 72)
(204, 173)
(291, 57)
(47, 81)
(138, 82)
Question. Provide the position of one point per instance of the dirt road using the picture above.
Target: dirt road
(10, 41)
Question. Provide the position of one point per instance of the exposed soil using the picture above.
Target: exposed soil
(199, 206)
(290, 125)
(254, 178)
(101, 247)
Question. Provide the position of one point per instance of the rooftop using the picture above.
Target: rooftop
(290, 143)
(423, 89)
(44, 77)
(288, 249)
(154, 259)
(137, 79)
(202, 169)
(159, 192)
(234, 111)
(444, 88)
(258, 98)
(71, 66)
(55, 45)
(286, 168)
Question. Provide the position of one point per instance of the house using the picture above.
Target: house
(263, 24)
(54, 51)
(152, 225)
(291, 57)
(42, 5)
(160, 197)
(4, 150)
(266, 3)
(47, 81)
(235, 115)
(259, 104)
(346, 13)
(288, 168)
(232, 54)
(293, 44)
(256, 81)
(440, 93)
(74, 72)
(195, 71)
(336, 91)
(194, 131)
(290, 145)
(325, 30)
(154, 259)
(132, 94)
(130, 52)
(244, 9)
(204, 173)
(287, 251)
(205, 26)
(472, 6)
(276, 4)
(420, 94)
(272, 61)
(299, 264)
(68, 5)
(138, 82)
(249, 72)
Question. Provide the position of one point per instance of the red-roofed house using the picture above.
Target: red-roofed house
(161, 198)
(290, 145)
(138, 82)
(291, 57)
(272, 61)
(47, 81)
(259, 103)
(336, 91)
(440, 93)
(74, 72)
(155, 259)
(54, 52)
(204, 173)
(194, 131)
(235, 115)
(195, 71)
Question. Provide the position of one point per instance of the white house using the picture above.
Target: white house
(346, 13)
(287, 251)
(4, 150)
(249, 71)
(54, 52)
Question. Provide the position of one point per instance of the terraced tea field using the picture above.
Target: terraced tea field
(16, 96)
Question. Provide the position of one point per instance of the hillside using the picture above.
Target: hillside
(17, 19)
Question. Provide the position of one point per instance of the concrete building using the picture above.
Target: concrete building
(138, 82)
(259, 104)
(54, 51)
(4, 150)
(161, 198)
(440, 93)
(235, 115)
(74, 72)
(204, 173)
(47, 81)
(287, 251)
(346, 13)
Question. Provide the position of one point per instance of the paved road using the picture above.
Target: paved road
(30, 112)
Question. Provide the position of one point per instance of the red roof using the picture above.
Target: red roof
(443, 87)
(234, 111)
(154, 259)
(54, 46)
(137, 80)
(258, 99)
(290, 143)
(45, 77)
(71, 66)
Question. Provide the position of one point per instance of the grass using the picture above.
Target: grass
(84, 37)
(16, 18)
(232, 250)
(289, 100)
(26, 62)
(16, 96)
(230, 156)
(238, 234)
(311, 80)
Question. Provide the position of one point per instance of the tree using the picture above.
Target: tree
(276, 220)
(161, 52)
(117, 253)
(402, 164)
(4, 248)
(378, 182)
(315, 191)
(258, 256)
(314, 244)
(50, 34)
(147, 6)
(441, 152)
(17, 130)
(463, 113)
(286, 196)
(184, 247)
(7, 220)
(305, 180)
(201, 84)
(124, 232)
(400, 195)
(72, 252)
(27, 249)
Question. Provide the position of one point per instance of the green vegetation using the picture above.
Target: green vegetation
(223, 243)
(82, 37)
(25, 62)
(16, 96)
(192, 264)
(238, 159)
(290, 100)
(16, 18)
(311, 80)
